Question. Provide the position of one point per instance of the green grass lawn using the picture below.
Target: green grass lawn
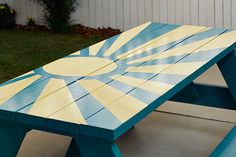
(22, 51)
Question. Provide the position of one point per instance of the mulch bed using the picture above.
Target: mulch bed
(84, 31)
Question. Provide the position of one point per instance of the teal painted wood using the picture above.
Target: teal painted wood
(227, 147)
(73, 150)
(99, 148)
(227, 68)
(11, 137)
(206, 95)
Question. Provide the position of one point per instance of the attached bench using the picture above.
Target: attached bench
(97, 94)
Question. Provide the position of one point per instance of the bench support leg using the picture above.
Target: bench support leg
(73, 150)
(227, 67)
(87, 147)
(11, 138)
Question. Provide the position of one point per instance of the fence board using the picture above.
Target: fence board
(124, 14)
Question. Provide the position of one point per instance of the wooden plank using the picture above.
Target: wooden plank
(227, 14)
(171, 11)
(92, 13)
(210, 13)
(202, 12)
(112, 13)
(156, 10)
(233, 14)
(219, 13)
(179, 12)
(163, 11)
(79, 13)
(194, 12)
(99, 13)
(134, 13)
(86, 12)
(127, 13)
(106, 13)
(186, 11)
(120, 14)
(141, 11)
(148, 10)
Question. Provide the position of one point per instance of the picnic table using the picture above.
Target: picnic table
(98, 93)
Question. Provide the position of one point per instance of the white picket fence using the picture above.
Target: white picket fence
(124, 14)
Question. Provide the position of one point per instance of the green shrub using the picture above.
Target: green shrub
(7, 16)
(58, 12)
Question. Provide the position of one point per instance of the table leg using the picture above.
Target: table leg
(11, 138)
(95, 147)
(227, 67)
(73, 150)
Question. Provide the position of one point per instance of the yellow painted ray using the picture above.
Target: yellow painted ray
(125, 37)
(221, 41)
(105, 94)
(28, 73)
(76, 53)
(126, 107)
(4, 100)
(52, 103)
(94, 49)
(184, 68)
(151, 86)
(181, 50)
(9, 90)
(176, 34)
(178, 68)
(148, 69)
(70, 114)
(52, 86)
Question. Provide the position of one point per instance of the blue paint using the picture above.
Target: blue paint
(24, 97)
(84, 52)
(227, 67)
(206, 95)
(107, 45)
(227, 147)
(104, 119)
(143, 39)
(17, 79)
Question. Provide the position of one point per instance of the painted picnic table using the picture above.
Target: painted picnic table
(98, 93)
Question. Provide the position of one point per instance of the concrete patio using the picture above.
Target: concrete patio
(175, 130)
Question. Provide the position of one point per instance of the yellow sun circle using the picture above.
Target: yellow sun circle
(80, 66)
